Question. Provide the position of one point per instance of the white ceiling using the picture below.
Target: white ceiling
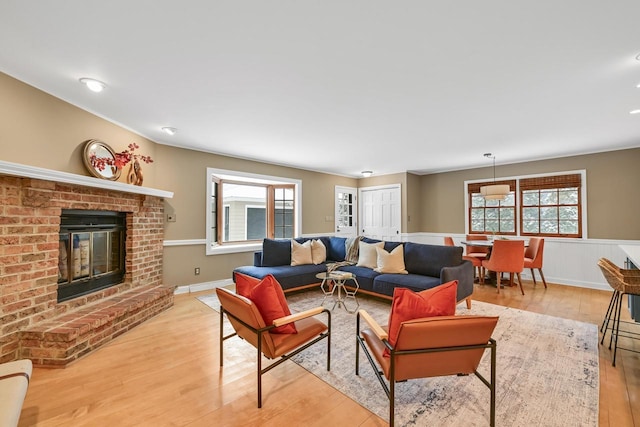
(344, 86)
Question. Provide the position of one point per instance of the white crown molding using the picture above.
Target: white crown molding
(24, 171)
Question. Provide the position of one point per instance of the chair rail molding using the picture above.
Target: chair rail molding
(572, 262)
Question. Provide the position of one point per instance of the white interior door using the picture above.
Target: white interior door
(346, 214)
(381, 212)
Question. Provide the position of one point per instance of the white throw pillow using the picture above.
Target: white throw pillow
(318, 252)
(368, 256)
(301, 253)
(391, 262)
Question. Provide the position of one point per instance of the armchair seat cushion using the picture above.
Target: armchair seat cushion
(307, 329)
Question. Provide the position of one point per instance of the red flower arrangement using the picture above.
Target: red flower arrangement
(120, 159)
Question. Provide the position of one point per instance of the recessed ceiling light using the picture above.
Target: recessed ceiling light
(169, 130)
(366, 174)
(93, 84)
(634, 111)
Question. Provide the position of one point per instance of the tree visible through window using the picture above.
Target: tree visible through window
(551, 206)
(547, 206)
(491, 216)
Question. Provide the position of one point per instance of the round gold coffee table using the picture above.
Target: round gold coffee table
(337, 280)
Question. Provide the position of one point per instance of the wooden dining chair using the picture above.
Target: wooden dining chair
(533, 257)
(448, 241)
(507, 256)
(476, 254)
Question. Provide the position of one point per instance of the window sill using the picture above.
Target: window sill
(233, 249)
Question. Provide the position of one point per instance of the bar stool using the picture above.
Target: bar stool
(622, 281)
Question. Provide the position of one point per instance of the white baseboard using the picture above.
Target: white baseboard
(205, 286)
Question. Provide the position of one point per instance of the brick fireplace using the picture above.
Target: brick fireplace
(33, 324)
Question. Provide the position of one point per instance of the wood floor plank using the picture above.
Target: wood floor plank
(166, 372)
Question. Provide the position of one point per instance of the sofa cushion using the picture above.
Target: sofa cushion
(428, 260)
(390, 262)
(336, 251)
(364, 275)
(384, 284)
(301, 253)
(268, 297)
(289, 276)
(367, 255)
(370, 241)
(276, 252)
(389, 246)
(409, 305)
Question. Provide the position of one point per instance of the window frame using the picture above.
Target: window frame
(471, 191)
(582, 205)
(220, 176)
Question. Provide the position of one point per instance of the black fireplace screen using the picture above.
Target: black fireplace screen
(92, 252)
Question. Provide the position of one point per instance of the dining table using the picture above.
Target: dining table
(491, 277)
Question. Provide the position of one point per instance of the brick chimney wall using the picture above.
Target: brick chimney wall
(29, 240)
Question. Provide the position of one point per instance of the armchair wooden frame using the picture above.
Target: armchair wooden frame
(396, 356)
(260, 334)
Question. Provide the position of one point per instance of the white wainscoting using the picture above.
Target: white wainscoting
(566, 261)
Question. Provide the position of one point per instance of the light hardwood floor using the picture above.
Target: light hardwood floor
(165, 373)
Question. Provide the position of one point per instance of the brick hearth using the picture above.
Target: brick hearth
(54, 334)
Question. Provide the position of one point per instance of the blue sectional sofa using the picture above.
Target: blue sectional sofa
(428, 266)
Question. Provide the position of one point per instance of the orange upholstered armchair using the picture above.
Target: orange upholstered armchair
(250, 326)
(428, 347)
(507, 256)
(533, 257)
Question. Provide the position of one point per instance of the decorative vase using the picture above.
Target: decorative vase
(135, 173)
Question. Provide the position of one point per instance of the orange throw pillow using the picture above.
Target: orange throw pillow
(409, 305)
(244, 284)
(269, 298)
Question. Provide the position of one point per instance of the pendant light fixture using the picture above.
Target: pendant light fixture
(494, 191)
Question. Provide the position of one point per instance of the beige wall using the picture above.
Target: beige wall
(186, 177)
(613, 187)
(41, 130)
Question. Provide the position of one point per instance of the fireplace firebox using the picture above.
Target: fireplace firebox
(92, 251)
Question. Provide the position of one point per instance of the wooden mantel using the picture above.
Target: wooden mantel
(24, 171)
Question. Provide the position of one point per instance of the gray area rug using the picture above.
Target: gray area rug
(547, 371)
